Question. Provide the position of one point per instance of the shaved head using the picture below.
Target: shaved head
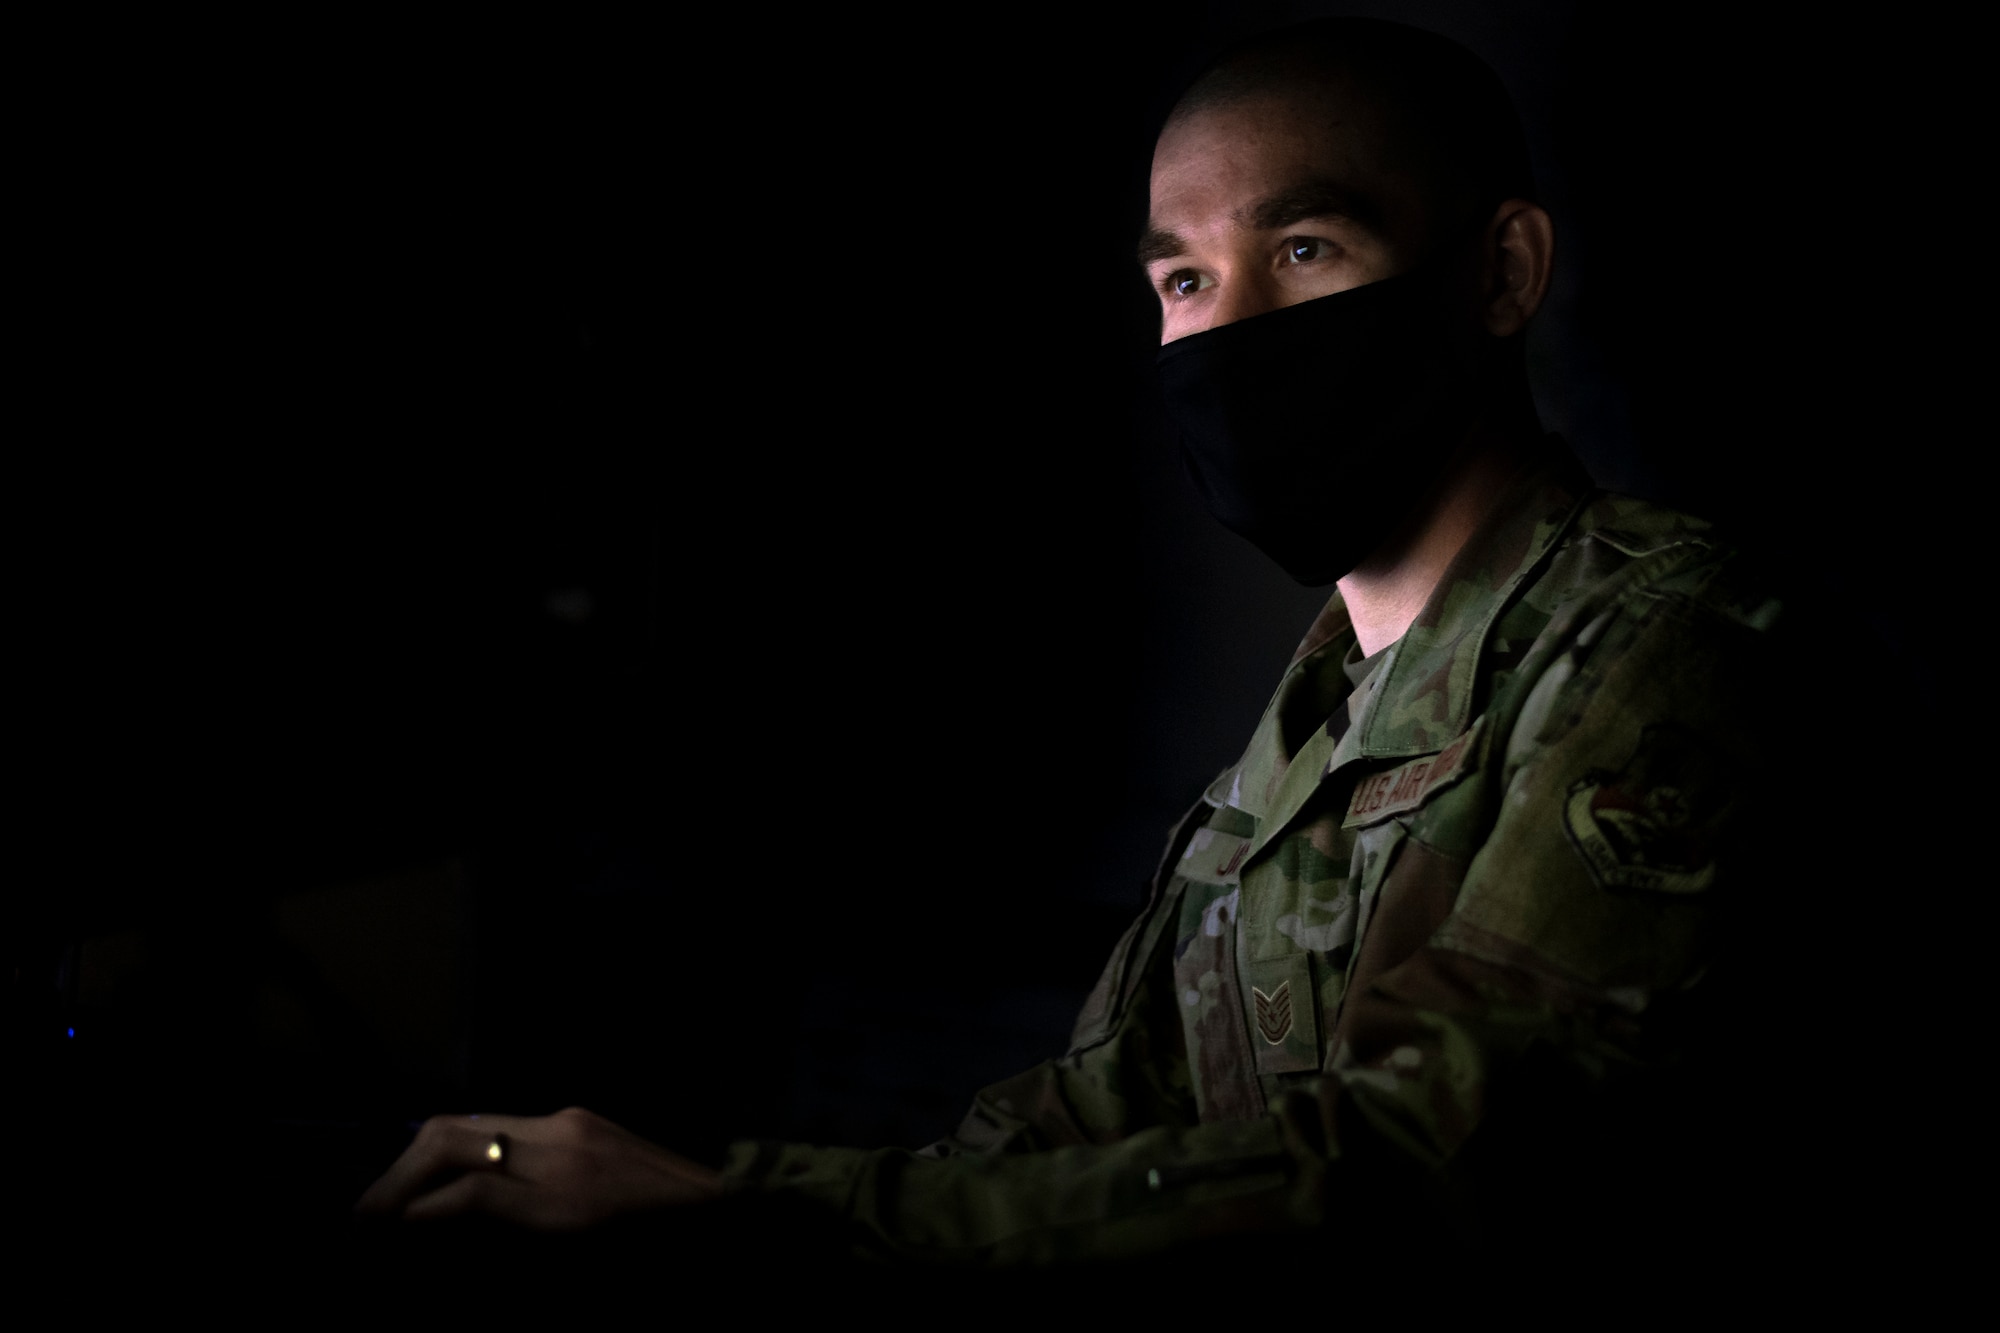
(1439, 112)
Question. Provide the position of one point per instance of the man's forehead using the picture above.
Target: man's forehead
(1266, 162)
(1328, 114)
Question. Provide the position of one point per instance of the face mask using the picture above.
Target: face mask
(1314, 429)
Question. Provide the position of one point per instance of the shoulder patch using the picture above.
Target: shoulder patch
(1648, 827)
(1378, 796)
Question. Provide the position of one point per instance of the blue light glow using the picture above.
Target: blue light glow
(72, 1032)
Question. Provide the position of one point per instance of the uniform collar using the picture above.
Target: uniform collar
(1426, 684)
(1420, 695)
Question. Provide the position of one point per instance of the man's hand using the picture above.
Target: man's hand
(562, 1172)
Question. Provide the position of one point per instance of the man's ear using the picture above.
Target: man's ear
(1520, 251)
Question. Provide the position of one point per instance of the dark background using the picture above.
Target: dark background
(639, 567)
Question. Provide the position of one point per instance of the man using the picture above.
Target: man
(1444, 943)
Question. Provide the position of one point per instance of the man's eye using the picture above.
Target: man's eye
(1305, 249)
(1186, 282)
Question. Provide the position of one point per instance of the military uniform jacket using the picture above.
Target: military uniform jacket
(1487, 865)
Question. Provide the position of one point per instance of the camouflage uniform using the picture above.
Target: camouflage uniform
(1486, 857)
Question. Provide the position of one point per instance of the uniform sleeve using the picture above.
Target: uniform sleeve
(1516, 1016)
(1093, 1156)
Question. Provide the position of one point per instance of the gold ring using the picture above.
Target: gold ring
(496, 1152)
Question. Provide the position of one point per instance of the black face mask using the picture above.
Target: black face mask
(1312, 430)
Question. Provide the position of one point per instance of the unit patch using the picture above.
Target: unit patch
(1404, 788)
(1639, 829)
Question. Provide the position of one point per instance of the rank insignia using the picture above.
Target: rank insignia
(1274, 1013)
(1284, 1021)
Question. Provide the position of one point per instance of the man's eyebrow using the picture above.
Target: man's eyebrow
(1318, 198)
(1157, 244)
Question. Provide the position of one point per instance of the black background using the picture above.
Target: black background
(701, 479)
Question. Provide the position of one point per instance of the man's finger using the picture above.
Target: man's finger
(482, 1193)
(444, 1144)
